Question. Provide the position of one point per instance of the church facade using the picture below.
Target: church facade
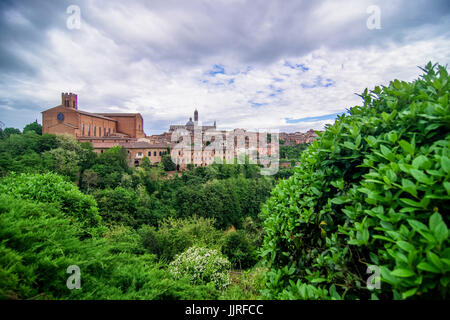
(103, 130)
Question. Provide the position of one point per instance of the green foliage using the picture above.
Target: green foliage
(23, 152)
(34, 126)
(7, 132)
(292, 152)
(239, 250)
(228, 201)
(202, 266)
(176, 235)
(110, 166)
(117, 206)
(167, 163)
(246, 285)
(374, 189)
(53, 189)
(39, 243)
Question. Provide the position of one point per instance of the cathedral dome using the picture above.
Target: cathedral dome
(190, 123)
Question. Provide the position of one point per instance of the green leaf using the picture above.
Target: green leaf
(420, 176)
(411, 203)
(403, 273)
(417, 225)
(409, 186)
(434, 259)
(406, 146)
(447, 187)
(428, 267)
(445, 163)
(409, 293)
(405, 245)
(438, 227)
(421, 161)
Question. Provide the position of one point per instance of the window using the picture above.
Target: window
(160, 153)
(89, 130)
(82, 129)
(95, 131)
(149, 153)
(154, 153)
(109, 131)
(139, 154)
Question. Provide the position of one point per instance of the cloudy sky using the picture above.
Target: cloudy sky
(288, 65)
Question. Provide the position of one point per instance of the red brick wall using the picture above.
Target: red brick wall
(50, 123)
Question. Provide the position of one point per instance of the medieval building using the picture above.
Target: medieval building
(103, 130)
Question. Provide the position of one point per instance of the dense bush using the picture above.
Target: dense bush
(55, 190)
(38, 244)
(228, 201)
(239, 250)
(374, 189)
(176, 235)
(202, 266)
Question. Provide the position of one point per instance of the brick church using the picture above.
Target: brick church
(103, 130)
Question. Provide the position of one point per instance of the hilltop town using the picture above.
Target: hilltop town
(106, 130)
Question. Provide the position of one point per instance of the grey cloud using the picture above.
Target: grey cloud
(177, 34)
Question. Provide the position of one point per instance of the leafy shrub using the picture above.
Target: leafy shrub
(374, 189)
(117, 206)
(228, 201)
(176, 235)
(239, 250)
(53, 189)
(202, 266)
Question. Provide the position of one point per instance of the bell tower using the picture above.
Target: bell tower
(195, 115)
(69, 100)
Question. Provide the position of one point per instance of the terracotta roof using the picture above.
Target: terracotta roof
(106, 114)
(103, 138)
(143, 145)
(104, 145)
(94, 115)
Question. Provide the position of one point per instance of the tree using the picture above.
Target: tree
(89, 178)
(239, 250)
(145, 163)
(167, 162)
(9, 131)
(34, 126)
(65, 162)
